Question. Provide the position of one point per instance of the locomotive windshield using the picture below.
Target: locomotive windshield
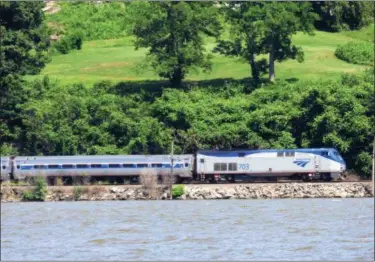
(338, 156)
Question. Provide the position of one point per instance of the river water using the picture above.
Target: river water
(285, 229)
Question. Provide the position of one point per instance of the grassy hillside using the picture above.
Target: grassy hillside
(116, 60)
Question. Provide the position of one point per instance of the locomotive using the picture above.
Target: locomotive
(209, 166)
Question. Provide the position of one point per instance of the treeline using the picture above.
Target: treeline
(143, 118)
(46, 118)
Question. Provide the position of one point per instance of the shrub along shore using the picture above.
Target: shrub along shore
(191, 192)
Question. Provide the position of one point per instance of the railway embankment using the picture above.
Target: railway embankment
(197, 192)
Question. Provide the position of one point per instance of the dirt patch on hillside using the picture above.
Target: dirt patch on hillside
(51, 7)
(104, 65)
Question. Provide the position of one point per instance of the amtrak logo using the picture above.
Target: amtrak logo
(301, 163)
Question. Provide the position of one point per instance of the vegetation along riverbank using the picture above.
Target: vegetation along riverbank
(194, 192)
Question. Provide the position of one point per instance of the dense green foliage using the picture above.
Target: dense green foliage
(91, 20)
(177, 191)
(143, 118)
(339, 15)
(361, 53)
(38, 193)
(173, 33)
(266, 28)
(81, 120)
(24, 42)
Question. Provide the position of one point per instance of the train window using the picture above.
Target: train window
(186, 164)
(53, 166)
(4, 167)
(157, 165)
(67, 166)
(96, 165)
(220, 167)
(280, 154)
(39, 167)
(114, 165)
(128, 165)
(289, 154)
(232, 166)
(18, 166)
(202, 160)
(82, 165)
(241, 154)
(324, 153)
(141, 165)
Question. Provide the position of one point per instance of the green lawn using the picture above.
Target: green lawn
(116, 60)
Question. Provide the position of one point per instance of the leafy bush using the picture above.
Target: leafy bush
(177, 191)
(99, 21)
(38, 193)
(78, 191)
(361, 53)
(69, 42)
(62, 46)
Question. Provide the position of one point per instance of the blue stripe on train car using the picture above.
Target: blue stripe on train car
(23, 167)
(31, 167)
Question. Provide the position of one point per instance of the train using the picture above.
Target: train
(205, 166)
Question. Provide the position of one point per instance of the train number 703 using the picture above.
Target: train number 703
(243, 166)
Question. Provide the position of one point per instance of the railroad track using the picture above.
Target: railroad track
(213, 184)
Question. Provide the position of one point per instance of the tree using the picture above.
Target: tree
(338, 15)
(173, 33)
(245, 42)
(24, 42)
(266, 28)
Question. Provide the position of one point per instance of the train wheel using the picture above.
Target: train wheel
(85, 180)
(93, 181)
(327, 177)
(306, 178)
(127, 180)
(272, 179)
(51, 181)
(134, 180)
(120, 180)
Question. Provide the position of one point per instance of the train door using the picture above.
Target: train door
(202, 168)
(317, 164)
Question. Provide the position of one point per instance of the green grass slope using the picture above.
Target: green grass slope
(116, 60)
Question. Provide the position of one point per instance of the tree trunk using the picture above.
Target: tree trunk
(176, 78)
(272, 66)
(254, 68)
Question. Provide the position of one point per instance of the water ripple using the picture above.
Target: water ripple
(283, 229)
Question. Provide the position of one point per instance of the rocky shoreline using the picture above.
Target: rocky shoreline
(198, 192)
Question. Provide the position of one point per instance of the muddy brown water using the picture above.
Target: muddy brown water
(281, 229)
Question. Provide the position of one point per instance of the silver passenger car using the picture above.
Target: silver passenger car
(106, 165)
